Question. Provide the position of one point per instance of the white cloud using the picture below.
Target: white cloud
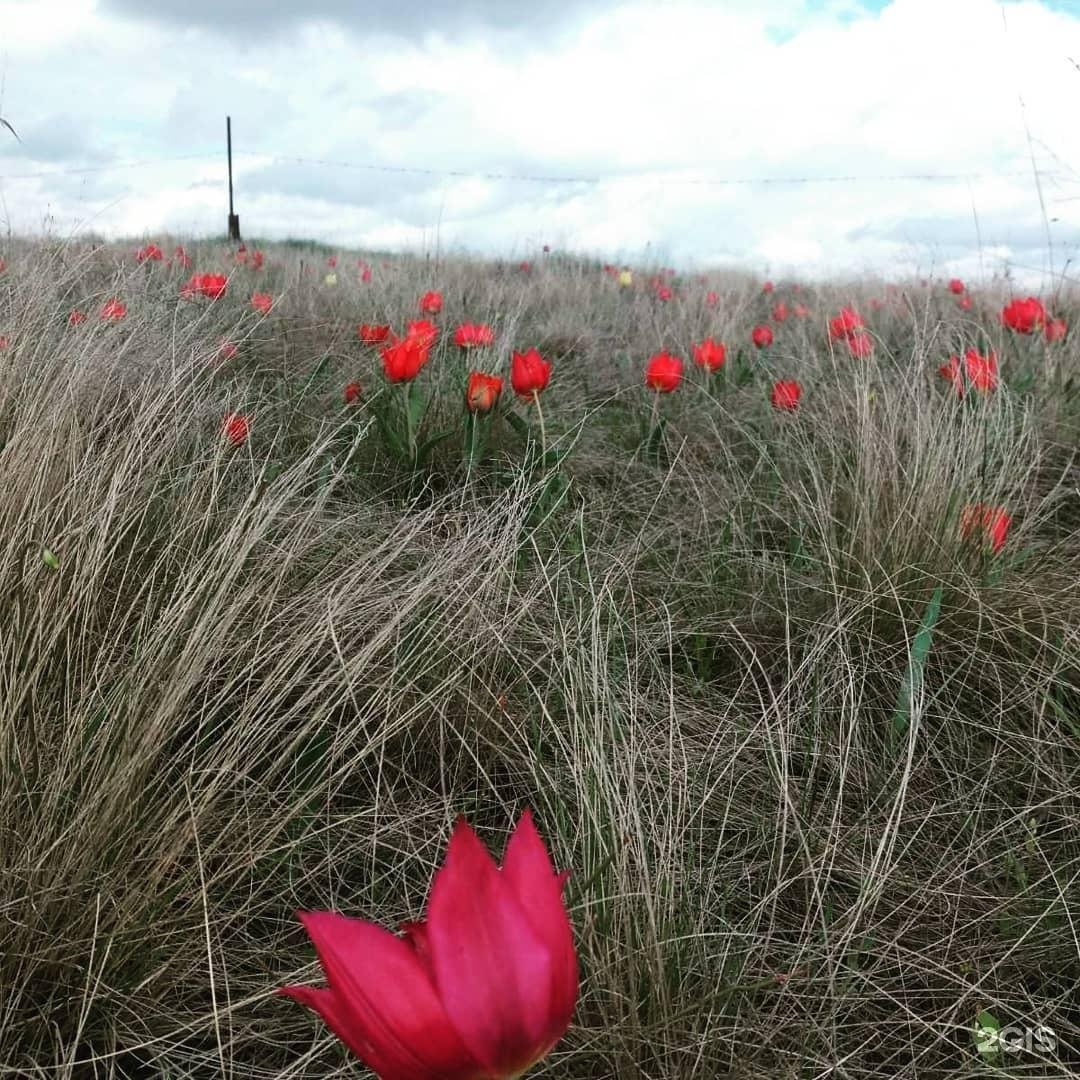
(651, 96)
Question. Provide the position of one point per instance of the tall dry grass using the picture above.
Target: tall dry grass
(268, 677)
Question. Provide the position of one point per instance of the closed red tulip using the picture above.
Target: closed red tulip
(365, 274)
(431, 303)
(965, 303)
(182, 257)
(403, 359)
(5, 341)
(483, 392)
(762, 336)
(1023, 316)
(712, 298)
(786, 394)
(235, 428)
(113, 310)
(352, 392)
(848, 322)
(987, 523)
(228, 350)
(77, 317)
(956, 286)
(473, 335)
(256, 260)
(767, 287)
(664, 293)
(860, 345)
(529, 373)
(525, 266)
(710, 354)
(150, 253)
(262, 302)
(780, 312)
(331, 261)
(800, 311)
(480, 990)
(1056, 329)
(373, 334)
(664, 372)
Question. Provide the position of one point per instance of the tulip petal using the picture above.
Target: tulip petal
(340, 1022)
(493, 972)
(385, 996)
(529, 872)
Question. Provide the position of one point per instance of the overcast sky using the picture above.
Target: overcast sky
(637, 115)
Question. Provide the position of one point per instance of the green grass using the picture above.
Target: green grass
(813, 760)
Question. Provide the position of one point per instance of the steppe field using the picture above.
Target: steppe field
(779, 643)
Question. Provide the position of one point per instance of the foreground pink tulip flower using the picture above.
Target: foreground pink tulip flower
(482, 990)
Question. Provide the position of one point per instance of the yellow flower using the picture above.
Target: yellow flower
(626, 278)
(330, 279)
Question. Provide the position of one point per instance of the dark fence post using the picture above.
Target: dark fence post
(234, 219)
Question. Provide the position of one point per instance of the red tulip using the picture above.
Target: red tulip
(767, 287)
(423, 330)
(228, 350)
(965, 303)
(664, 373)
(365, 274)
(710, 354)
(482, 990)
(403, 360)
(482, 393)
(1056, 329)
(800, 311)
(780, 312)
(5, 341)
(712, 298)
(525, 266)
(255, 262)
(529, 373)
(762, 336)
(332, 261)
(664, 292)
(982, 371)
(954, 372)
(352, 392)
(991, 523)
(235, 428)
(786, 394)
(76, 317)
(262, 302)
(431, 303)
(113, 310)
(372, 334)
(845, 324)
(956, 286)
(182, 257)
(150, 253)
(212, 286)
(1023, 316)
(473, 335)
(860, 345)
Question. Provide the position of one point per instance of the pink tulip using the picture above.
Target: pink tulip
(484, 988)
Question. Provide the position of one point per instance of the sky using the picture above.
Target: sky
(813, 137)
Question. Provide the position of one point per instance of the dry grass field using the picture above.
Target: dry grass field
(804, 725)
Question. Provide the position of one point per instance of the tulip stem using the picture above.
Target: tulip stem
(409, 434)
(543, 432)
